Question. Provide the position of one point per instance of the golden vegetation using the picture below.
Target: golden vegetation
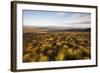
(56, 46)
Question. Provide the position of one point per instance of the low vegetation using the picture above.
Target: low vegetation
(56, 46)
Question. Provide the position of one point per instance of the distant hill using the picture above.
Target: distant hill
(72, 30)
(54, 29)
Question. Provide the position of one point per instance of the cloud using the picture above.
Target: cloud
(60, 13)
(59, 19)
(79, 20)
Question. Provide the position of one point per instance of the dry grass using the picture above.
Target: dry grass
(56, 46)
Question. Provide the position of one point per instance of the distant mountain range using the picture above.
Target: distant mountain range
(54, 29)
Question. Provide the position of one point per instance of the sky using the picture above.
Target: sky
(38, 18)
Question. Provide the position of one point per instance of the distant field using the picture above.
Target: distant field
(54, 29)
(56, 46)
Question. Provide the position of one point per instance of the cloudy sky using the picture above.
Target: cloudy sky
(52, 18)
